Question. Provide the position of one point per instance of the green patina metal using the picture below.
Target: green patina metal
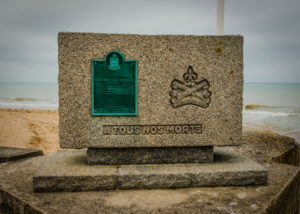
(114, 86)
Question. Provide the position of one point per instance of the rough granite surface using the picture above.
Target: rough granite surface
(68, 171)
(149, 155)
(161, 60)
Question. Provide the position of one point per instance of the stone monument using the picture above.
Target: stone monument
(152, 111)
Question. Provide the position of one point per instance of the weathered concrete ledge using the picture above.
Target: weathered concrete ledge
(280, 196)
(68, 171)
(9, 154)
(149, 155)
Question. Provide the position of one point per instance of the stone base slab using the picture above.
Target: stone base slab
(10, 154)
(69, 171)
(150, 155)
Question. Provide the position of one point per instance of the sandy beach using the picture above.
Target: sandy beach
(38, 129)
(32, 129)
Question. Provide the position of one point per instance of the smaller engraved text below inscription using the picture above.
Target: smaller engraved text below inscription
(152, 129)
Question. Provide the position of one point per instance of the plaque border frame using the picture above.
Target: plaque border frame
(95, 114)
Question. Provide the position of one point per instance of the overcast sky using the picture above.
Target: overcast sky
(28, 39)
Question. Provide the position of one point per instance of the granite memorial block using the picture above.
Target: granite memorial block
(155, 91)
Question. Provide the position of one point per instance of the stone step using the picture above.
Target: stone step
(69, 171)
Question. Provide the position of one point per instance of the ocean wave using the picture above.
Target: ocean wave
(254, 107)
(19, 99)
(28, 103)
(24, 99)
(272, 113)
(291, 110)
(46, 106)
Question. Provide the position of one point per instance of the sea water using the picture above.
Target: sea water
(274, 106)
(29, 95)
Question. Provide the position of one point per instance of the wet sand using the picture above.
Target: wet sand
(32, 129)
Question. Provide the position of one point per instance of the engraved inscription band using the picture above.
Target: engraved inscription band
(152, 129)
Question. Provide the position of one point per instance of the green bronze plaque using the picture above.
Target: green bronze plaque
(114, 86)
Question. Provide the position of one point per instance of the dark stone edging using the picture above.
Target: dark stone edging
(287, 200)
(14, 204)
(291, 157)
(11, 154)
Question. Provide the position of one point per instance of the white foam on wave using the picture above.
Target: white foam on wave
(28, 103)
(269, 113)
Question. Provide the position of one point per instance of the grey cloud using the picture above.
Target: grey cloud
(28, 46)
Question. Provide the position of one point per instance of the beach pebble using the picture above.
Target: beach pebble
(195, 192)
(242, 195)
(254, 206)
(234, 203)
(260, 189)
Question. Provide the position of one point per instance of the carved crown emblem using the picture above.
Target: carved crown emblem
(190, 92)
